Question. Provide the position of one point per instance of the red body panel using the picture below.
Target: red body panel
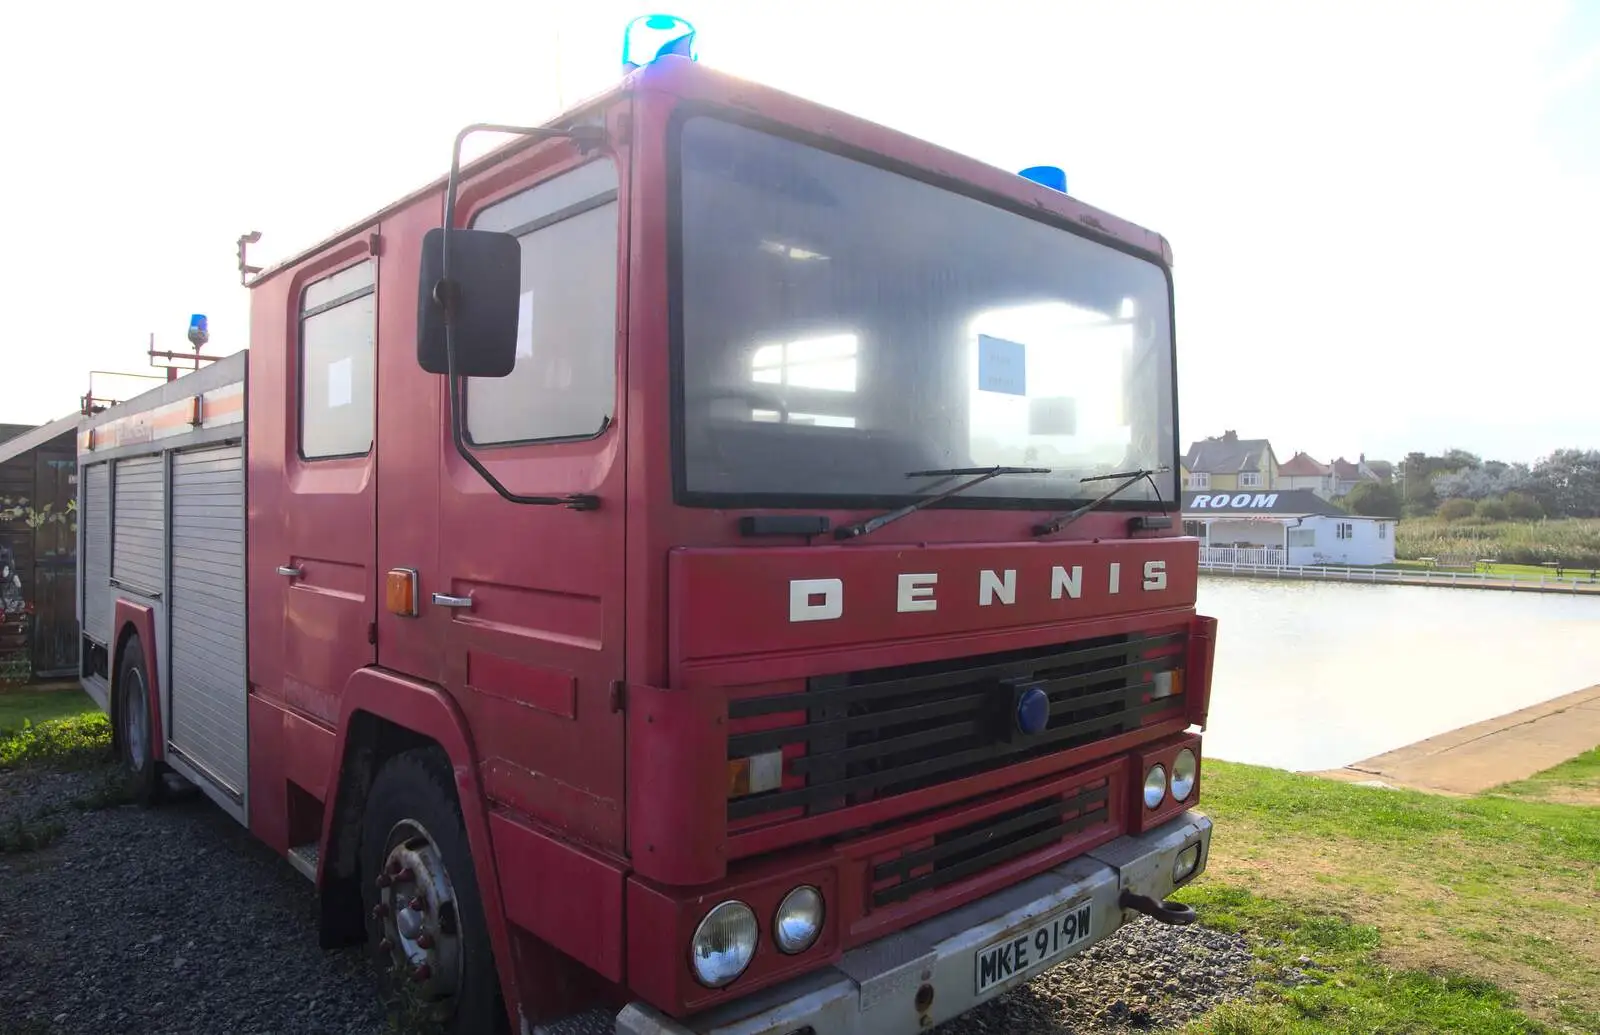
(677, 784)
(141, 618)
(737, 605)
(269, 793)
(410, 413)
(1202, 656)
(583, 918)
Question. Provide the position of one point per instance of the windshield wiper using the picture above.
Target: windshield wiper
(983, 474)
(1056, 524)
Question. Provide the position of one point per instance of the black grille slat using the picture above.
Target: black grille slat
(772, 740)
(754, 707)
(994, 828)
(1114, 696)
(964, 862)
(884, 732)
(1096, 728)
(807, 763)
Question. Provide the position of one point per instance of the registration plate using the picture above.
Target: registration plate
(1026, 950)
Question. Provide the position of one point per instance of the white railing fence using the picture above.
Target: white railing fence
(1253, 556)
(1574, 583)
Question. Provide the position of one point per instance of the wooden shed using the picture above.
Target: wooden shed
(38, 551)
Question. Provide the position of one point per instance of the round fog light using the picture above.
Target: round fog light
(799, 920)
(723, 944)
(1155, 786)
(1184, 769)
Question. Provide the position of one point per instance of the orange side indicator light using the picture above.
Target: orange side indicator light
(755, 775)
(400, 592)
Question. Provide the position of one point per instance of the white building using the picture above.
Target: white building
(1293, 526)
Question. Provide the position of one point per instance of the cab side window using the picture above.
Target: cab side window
(564, 385)
(338, 332)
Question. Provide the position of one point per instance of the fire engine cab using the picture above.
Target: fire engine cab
(708, 565)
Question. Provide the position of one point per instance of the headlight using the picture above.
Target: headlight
(1155, 787)
(799, 920)
(724, 944)
(1184, 769)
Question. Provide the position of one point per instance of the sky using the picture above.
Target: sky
(1384, 216)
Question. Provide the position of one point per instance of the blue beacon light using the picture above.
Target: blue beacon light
(198, 333)
(1050, 176)
(652, 36)
(1033, 711)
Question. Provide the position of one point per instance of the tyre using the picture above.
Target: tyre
(133, 725)
(420, 890)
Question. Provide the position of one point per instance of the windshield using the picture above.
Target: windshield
(840, 325)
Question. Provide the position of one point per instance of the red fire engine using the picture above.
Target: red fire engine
(710, 560)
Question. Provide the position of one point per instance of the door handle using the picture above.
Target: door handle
(292, 573)
(445, 600)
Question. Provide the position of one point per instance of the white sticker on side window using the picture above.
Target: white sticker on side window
(525, 325)
(340, 380)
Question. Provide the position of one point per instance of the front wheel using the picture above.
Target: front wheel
(420, 890)
(134, 728)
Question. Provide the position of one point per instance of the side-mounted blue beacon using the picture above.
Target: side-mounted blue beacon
(1050, 176)
(198, 334)
(651, 36)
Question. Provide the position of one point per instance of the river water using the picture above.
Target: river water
(1316, 675)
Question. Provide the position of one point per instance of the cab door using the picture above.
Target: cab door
(530, 598)
(322, 560)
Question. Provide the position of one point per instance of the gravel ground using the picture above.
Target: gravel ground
(1147, 977)
(164, 920)
(176, 920)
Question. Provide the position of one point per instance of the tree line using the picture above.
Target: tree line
(1459, 484)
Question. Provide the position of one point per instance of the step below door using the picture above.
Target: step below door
(208, 616)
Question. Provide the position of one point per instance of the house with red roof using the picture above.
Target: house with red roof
(1303, 471)
(1347, 476)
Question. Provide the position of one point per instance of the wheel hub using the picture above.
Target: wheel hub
(135, 719)
(417, 907)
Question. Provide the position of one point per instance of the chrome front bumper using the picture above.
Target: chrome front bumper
(914, 979)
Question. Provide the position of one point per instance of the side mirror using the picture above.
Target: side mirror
(485, 280)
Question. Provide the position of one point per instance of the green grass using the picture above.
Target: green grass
(61, 728)
(56, 729)
(1521, 571)
(80, 741)
(1432, 913)
(38, 706)
(1344, 988)
(1522, 545)
(1574, 782)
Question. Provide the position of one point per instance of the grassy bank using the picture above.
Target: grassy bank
(61, 728)
(36, 706)
(1574, 782)
(1574, 541)
(1413, 912)
(57, 730)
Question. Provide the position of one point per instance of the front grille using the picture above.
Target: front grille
(878, 733)
(957, 854)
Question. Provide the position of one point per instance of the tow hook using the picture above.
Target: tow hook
(1166, 912)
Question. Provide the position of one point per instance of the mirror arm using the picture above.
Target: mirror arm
(588, 138)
